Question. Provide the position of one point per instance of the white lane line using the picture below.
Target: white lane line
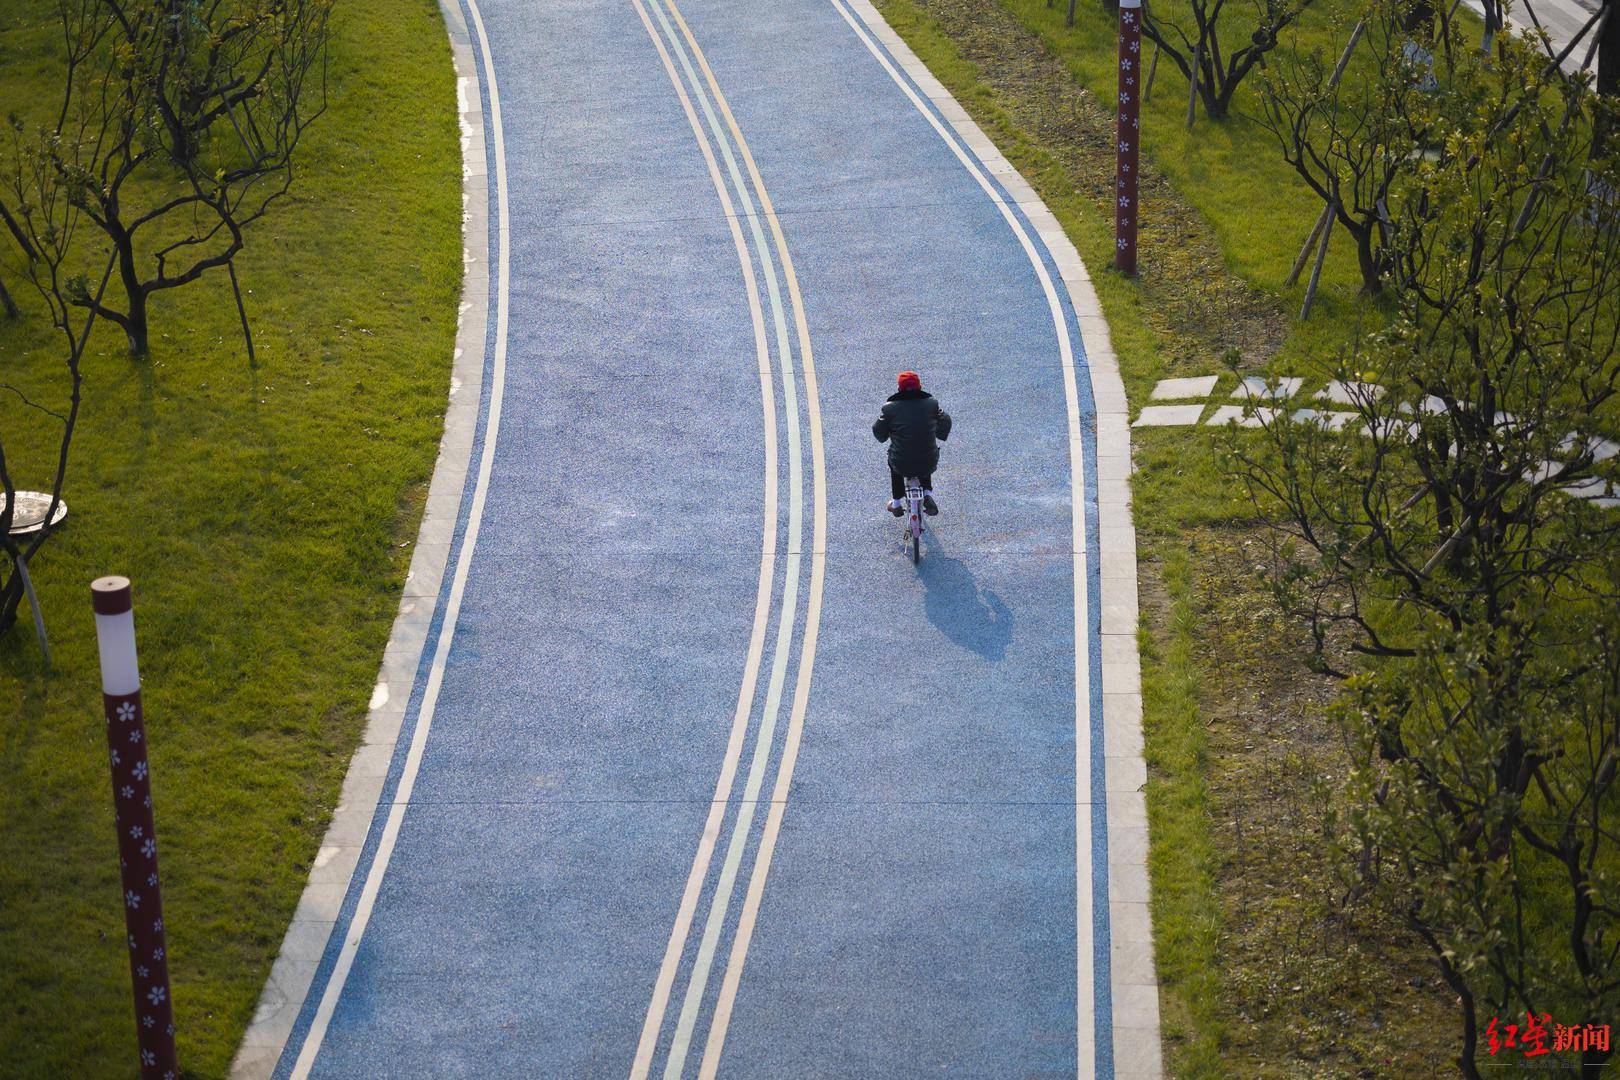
(1085, 1021)
(691, 1005)
(756, 644)
(720, 1023)
(430, 696)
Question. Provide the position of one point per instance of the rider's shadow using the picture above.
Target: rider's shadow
(974, 618)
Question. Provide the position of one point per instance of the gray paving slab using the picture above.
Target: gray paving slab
(1332, 419)
(1268, 388)
(1349, 393)
(1169, 415)
(1242, 415)
(1198, 386)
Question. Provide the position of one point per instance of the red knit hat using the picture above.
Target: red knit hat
(910, 380)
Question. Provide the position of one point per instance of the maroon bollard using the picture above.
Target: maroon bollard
(1129, 132)
(137, 840)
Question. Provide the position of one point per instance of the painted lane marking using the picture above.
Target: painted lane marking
(1085, 975)
(430, 695)
(756, 644)
(714, 925)
(724, 1003)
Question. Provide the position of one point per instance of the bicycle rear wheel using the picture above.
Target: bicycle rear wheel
(916, 548)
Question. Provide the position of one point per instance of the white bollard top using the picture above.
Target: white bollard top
(115, 635)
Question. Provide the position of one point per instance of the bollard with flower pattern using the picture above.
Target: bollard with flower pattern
(1129, 131)
(137, 840)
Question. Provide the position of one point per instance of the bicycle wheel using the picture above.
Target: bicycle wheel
(916, 547)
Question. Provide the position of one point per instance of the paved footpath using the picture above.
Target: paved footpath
(677, 766)
(1561, 19)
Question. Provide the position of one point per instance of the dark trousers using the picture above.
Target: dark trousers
(897, 482)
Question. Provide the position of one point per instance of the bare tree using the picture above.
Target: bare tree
(1196, 48)
(1450, 543)
(1352, 140)
(24, 248)
(47, 254)
(177, 128)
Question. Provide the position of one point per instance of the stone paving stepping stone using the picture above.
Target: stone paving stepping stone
(1594, 487)
(1392, 428)
(1349, 393)
(1169, 415)
(1234, 414)
(1541, 472)
(1602, 449)
(1198, 386)
(1432, 406)
(1332, 419)
(1255, 386)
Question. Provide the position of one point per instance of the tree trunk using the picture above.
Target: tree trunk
(134, 323)
(7, 302)
(135, 328)
(11, 591)
(1372, 282)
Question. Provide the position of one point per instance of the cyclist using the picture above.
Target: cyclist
(910, 422)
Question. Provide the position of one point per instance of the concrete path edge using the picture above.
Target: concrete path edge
(1133, 977)
(293, 972)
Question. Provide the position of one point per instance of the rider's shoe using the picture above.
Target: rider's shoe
(930, 507)
(897, 507)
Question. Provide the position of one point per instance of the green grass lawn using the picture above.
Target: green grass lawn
(265, 516)
(1265, 973)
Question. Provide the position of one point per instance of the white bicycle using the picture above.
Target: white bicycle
(913, 527)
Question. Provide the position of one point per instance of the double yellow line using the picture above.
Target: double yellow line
(709, 99)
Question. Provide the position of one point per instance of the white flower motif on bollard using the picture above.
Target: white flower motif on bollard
(126, 712)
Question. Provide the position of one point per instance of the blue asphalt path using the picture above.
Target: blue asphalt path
(919, 914)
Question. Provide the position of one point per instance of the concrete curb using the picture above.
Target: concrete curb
(1133, 975)
(285, 991)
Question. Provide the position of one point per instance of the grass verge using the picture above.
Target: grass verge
(266, 517)
(1265, 970)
